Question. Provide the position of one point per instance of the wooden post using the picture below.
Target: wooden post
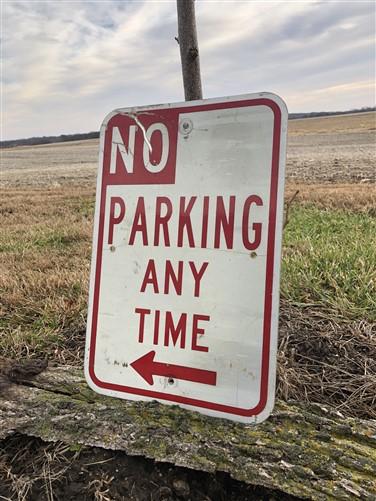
(187, 39)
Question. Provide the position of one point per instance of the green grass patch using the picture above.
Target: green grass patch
(56, 239)
(18, 241)
(330, 259)
(27, 330)
(86, 207)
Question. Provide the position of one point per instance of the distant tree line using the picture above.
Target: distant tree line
(30, 141)
(314, 114)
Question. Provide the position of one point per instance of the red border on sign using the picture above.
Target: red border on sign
(268, 299)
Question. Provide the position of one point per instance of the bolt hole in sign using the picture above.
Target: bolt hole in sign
(184, 288)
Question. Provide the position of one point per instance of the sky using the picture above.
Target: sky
(66, 64)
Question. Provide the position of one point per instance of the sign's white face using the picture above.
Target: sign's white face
(185, 269)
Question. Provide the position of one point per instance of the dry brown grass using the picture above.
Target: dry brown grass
(328, 359)
(44, 268)
(19, 474)
(100, 488)
(355, 197)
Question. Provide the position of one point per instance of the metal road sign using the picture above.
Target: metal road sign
(184, 286)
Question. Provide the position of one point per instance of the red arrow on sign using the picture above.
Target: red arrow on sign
(147, 368)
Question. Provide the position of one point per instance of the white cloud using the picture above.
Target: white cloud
(345, 96)
(66, 64)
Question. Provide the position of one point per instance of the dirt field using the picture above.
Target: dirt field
(332, 149)
(328, 149)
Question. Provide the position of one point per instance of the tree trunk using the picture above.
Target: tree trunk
(189, 54)
(311, 451)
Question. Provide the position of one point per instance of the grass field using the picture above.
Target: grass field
(327, 342)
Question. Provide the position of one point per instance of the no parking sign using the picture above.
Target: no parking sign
(185, 270)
